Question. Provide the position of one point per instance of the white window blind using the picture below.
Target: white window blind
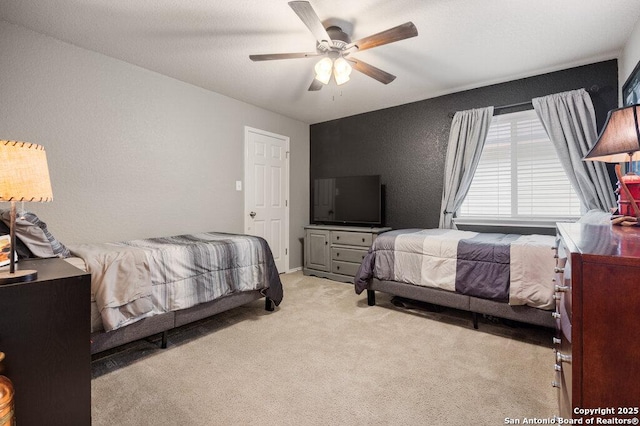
(519, 175)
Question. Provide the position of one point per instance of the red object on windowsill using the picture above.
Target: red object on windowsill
(632, 181)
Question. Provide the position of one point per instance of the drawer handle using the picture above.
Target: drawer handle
(558, 270)
(561, 288)
(338, 268)
(338, 237)
(556, 315)
(556, 341)
(363, 240)
(557, 367)
(338, 254)
(557, 297)
(555, 385)
(560, 358)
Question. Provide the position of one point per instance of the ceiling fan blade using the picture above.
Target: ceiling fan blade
(406, 30)
(315, 85)
(306, 13)
(273, 56)
(373, 72)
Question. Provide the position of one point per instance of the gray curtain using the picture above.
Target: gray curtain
(466, 140)
(570, 121)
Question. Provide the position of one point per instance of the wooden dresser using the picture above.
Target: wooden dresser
(336, 252)
(597, 349)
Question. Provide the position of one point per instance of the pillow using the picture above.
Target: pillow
(22, 250)
(34, 234)
(595, 217)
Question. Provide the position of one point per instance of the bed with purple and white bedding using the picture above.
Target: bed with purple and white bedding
(155, 284)
(505, 275)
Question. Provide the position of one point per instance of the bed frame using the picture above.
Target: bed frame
(102, 340)
(475, 305)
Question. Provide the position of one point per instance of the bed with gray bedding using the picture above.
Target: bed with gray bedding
(504, 275)
(144, 287)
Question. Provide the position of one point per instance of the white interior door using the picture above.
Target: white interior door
(266, 192)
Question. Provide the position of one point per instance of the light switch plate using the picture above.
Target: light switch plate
(238, 185)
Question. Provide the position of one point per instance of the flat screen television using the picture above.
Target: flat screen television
(350, 200)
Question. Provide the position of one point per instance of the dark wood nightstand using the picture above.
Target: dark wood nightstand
(45, 332)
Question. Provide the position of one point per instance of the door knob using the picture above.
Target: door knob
(252, 214)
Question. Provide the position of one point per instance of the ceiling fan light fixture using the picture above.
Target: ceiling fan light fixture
(333, 43)
(341, 71)
(323, 70)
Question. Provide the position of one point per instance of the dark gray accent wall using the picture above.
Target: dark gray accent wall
(407, 144)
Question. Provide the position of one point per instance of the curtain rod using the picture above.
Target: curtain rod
(593, 89)
(513, 105)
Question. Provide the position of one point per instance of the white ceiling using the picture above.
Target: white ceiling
(461, 44)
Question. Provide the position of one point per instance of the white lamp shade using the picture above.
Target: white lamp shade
(24, 174)
(341, 71)
(323, 70)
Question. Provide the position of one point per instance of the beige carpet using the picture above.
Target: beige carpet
(326, 358)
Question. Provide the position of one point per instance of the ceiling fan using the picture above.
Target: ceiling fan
(336, 47)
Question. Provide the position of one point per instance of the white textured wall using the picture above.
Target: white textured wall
(133, 153)
(629, 57)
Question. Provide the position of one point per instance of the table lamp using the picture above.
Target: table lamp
(619, 142)
(24, 176)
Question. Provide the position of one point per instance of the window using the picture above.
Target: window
(519, 175)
